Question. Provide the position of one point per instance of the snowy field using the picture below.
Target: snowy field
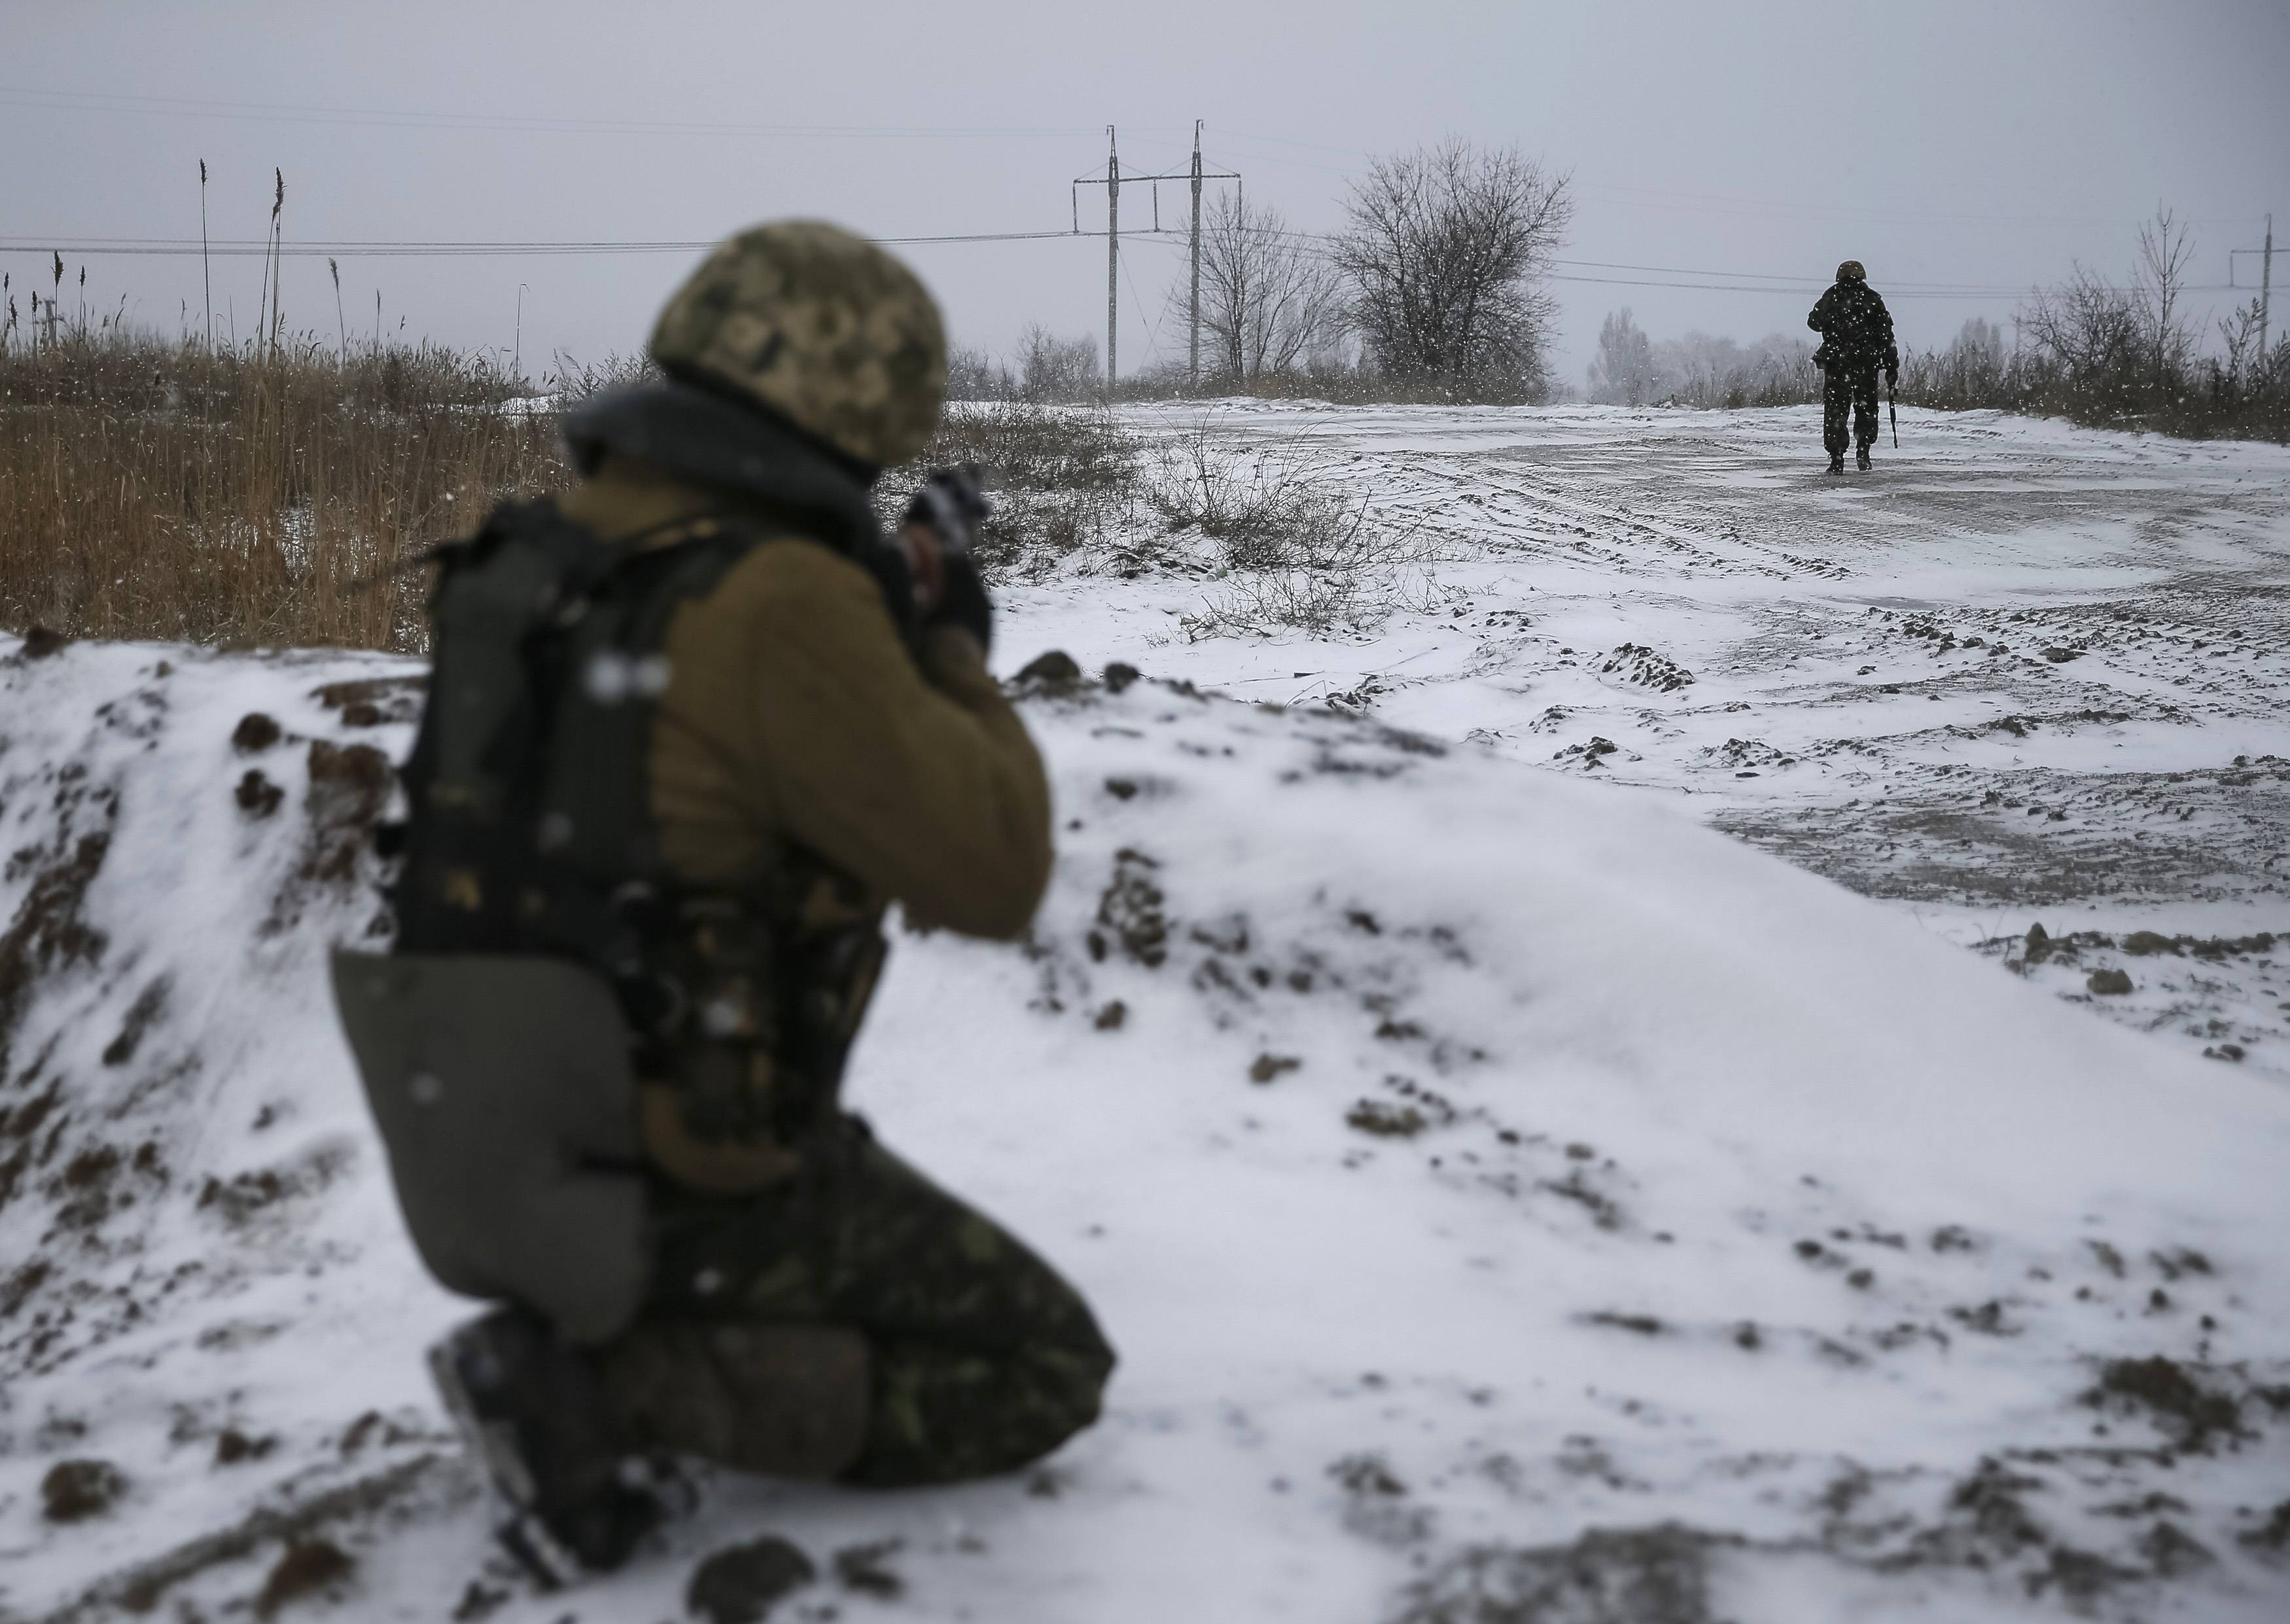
(2020, 673)
(1514, 1199)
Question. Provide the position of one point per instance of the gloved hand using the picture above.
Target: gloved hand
(1892, 377)
(937, 535)
(962, 600)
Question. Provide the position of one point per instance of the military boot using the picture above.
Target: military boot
(1864, 459)
(530, 1408)
(1837, 462)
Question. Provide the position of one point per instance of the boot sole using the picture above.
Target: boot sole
(520, 1532)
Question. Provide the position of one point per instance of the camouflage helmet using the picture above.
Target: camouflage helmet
(1852, 270)
(824, 327)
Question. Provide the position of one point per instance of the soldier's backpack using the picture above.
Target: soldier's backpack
(501, 1042)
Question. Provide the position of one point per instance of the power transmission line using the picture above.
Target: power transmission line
(112, 101)
(1735, 282)
(414, 248)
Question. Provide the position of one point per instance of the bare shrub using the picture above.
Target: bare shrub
(1256, 502)
(572, 381)
(1445, 251)
(278, 495)
(1345, 573)
(1292, 550)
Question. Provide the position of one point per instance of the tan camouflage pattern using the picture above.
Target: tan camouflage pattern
(822, 326)
(1851, 271)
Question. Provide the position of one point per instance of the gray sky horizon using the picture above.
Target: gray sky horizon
(1965, 152)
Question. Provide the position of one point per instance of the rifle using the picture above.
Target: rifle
(1893, 401)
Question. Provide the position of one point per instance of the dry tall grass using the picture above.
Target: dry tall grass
(151, 490)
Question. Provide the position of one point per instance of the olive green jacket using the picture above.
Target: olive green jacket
(795, 713)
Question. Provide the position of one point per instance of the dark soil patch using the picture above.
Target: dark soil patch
(83, 1189)
(233, 1446)
(49, 930)
(1639, 1325)
(307, 1566)
(74, 1491)
(741, 1583)
(864, 1568)
(245, 1194)
(19, 1285)
(479, 1601)
(257, 796)
(150, 1006)
(2270, 1538)
(1387, 1122)
(2193, 1415)
(1657, 1575)
(1604, 1213)
(370, 701)
(1130, 912)
(1366, 1475)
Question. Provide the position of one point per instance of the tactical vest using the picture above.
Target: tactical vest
(530, 841)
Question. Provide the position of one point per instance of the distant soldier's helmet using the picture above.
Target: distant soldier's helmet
(1852, 270)
(821, 326)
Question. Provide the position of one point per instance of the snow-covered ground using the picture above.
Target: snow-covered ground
(1512, 1199)
(2021, 673)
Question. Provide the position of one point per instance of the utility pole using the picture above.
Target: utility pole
(1112, 253)
(2265, 279)
(2265, 285)
(1193, 360)
(1112, 181)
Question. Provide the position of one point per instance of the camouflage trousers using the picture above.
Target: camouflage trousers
(1848, 390)
(975, 1357)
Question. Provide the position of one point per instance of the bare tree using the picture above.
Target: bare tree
(1446, 254)
(1623, 374)
(2240, 333)
(2164, 247)
(1270, 298)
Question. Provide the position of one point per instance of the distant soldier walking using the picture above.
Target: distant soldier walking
(1856, 338)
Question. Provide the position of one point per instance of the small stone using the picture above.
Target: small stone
(307, 1565)
(74, 1491)
(255, 733)
(256, 794)
(1265, 1067)
(1118, 675)
(1109, 1018)
(1054, 672)
(741, 1583)
(2109, 983)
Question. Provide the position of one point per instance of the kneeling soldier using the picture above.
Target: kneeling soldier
(691, 726)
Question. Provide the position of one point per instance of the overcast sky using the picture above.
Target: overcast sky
(1976, 145)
